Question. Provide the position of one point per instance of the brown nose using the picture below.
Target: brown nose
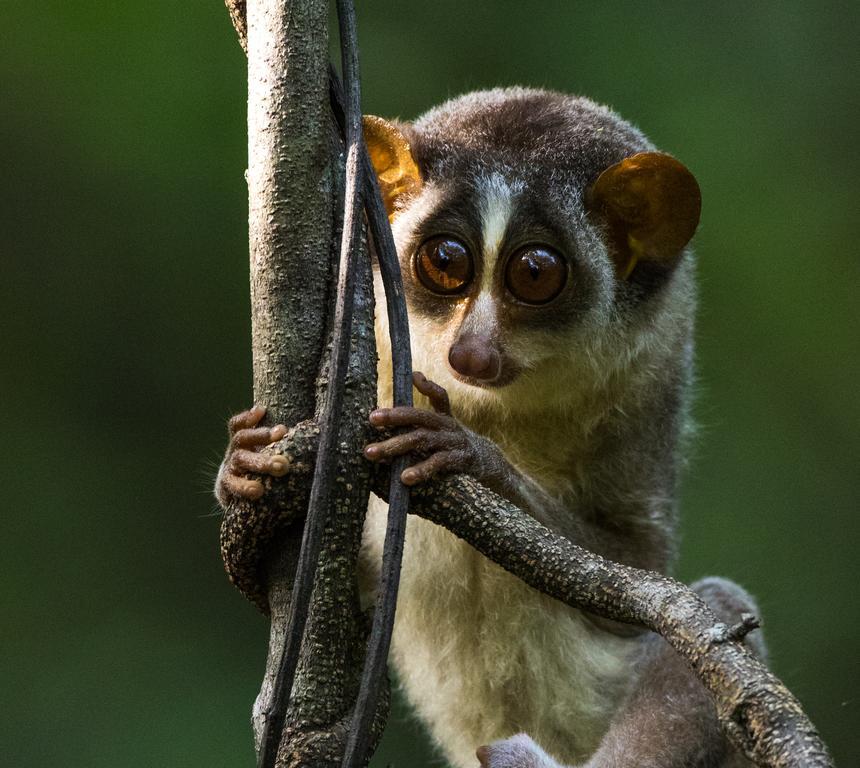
(475, 357)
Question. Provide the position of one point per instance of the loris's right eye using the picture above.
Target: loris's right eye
(444, 265)
(535, 274)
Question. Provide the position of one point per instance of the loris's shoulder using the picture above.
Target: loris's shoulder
(517, 123)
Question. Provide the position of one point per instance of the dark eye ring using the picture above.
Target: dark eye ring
(444, 265)
(535, 274)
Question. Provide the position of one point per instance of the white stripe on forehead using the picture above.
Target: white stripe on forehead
(496, 198)
(481, 319)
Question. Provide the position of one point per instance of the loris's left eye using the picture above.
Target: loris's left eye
(536, 274)
(444, 265)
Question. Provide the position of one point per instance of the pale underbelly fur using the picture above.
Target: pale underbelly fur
(481, 656)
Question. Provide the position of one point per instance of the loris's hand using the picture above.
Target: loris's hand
(437, 437)
(256, 508)
(243, 457)
(443, 445)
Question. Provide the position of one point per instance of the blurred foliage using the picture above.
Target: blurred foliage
(125, 336)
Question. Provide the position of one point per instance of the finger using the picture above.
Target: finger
(404, 416)
(418, 441)
(438, 462)
(242, 486)
(250, 461)
(437, 395)
(246, 419)
(253, 438)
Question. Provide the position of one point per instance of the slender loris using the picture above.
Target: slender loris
(544, 249)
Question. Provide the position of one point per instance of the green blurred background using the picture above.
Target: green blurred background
(125, 337)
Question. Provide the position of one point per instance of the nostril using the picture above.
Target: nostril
(458, 357)
(482, 360)
(492, 367)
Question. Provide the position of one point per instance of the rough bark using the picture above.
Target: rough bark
(238, 15)
(295, 173)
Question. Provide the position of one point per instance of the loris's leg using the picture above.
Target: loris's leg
(669, 721)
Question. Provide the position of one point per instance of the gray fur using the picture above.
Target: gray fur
(591, 423)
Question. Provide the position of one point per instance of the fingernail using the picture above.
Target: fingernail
(278, 432)
(370, 451)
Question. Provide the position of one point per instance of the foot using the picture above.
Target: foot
(519, 751)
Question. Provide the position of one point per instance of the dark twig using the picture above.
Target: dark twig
(398, 494)
(734, 633)
(329, 420)
(379, 642)
(398, 503)
(747, 624)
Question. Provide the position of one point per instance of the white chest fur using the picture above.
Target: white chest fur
(481, 656)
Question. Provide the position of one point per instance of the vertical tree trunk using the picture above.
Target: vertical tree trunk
(295, 171)
(291, 197)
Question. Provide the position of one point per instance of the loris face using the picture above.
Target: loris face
(518, 265)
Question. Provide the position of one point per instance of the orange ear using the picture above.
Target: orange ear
(652, 204)
(392, 160)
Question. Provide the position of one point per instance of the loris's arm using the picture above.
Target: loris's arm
(256, 509)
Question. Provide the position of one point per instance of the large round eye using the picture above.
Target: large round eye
(535, 274)
(443, 265)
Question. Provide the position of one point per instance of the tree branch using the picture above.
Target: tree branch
(329, 419)
(758, 713)
(374, 675)
(238, 15)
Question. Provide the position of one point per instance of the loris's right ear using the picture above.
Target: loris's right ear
(392, 160)
(651, 203)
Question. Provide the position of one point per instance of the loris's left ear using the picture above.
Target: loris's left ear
(392, 160)
(651, 203)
